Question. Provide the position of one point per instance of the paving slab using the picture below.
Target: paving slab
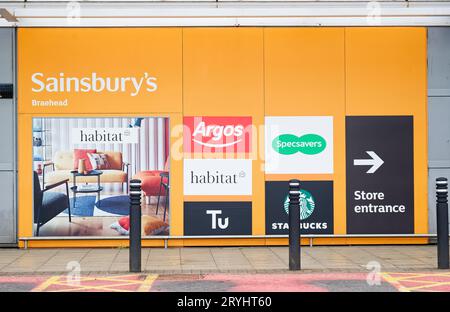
(219, 259)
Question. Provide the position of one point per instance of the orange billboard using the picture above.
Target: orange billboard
(90, 70)
(186, 96)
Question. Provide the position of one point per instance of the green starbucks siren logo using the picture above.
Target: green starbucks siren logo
(309, 144)
(307, 204)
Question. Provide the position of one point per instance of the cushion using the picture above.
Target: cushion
(150, 225)
(99, 161)
(153, 225)
(116, 226)
(63, 160)
(125, 222)
(82, 154)
(114, 159)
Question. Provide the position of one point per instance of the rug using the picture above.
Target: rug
(84, 206)
(118, 205)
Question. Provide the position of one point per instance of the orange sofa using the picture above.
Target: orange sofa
(62, 165)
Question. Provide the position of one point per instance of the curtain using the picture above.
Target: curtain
(149, 154)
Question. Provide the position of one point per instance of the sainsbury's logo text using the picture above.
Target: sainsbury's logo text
(94, 83)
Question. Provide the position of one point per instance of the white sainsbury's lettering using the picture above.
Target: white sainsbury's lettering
(93, 83)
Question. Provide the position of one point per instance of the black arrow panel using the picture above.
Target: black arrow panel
(381, 202)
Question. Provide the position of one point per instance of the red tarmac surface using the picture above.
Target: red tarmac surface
(285, 282)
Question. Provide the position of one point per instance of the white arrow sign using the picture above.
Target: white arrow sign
(375, 162)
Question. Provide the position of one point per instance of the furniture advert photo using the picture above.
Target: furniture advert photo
(82, 169)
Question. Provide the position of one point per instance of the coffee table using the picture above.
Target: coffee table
(95, 189)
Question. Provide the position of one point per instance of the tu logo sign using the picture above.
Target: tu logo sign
(216, 221)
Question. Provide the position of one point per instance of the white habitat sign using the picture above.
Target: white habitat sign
(217, 177)
(105, 135)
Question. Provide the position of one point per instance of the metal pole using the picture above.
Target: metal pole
(294, 225)
(442, 222)
(135, 226)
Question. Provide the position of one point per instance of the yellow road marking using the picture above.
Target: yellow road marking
(89, 288)
(46, 284)
(148, 282)
(115, 281)
(412, 278)
(394, 282)
(429, 285)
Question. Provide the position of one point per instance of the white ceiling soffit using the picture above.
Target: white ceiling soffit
(35, 13)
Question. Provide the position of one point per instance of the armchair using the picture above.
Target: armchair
(48, 205)
(126, 169)
(46, 164)
(155, 183)
(166, 186)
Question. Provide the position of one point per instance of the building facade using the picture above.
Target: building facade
(218, 118)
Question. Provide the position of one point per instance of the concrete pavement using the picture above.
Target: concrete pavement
(190, 260)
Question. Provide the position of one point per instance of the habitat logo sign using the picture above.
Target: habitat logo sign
(105, 136)
(299, 145)
(309, 144)
(217, 177)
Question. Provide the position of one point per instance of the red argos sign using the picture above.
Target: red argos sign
(224, 135)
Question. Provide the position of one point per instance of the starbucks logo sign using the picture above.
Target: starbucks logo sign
(307, 204)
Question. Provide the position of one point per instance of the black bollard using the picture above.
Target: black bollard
(294, 225)
(442, 222)
(135, 226)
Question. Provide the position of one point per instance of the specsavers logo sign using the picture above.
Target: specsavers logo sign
(301, 144)
(309, 144)
(229, 135)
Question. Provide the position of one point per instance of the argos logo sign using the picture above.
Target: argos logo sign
(217, 134)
